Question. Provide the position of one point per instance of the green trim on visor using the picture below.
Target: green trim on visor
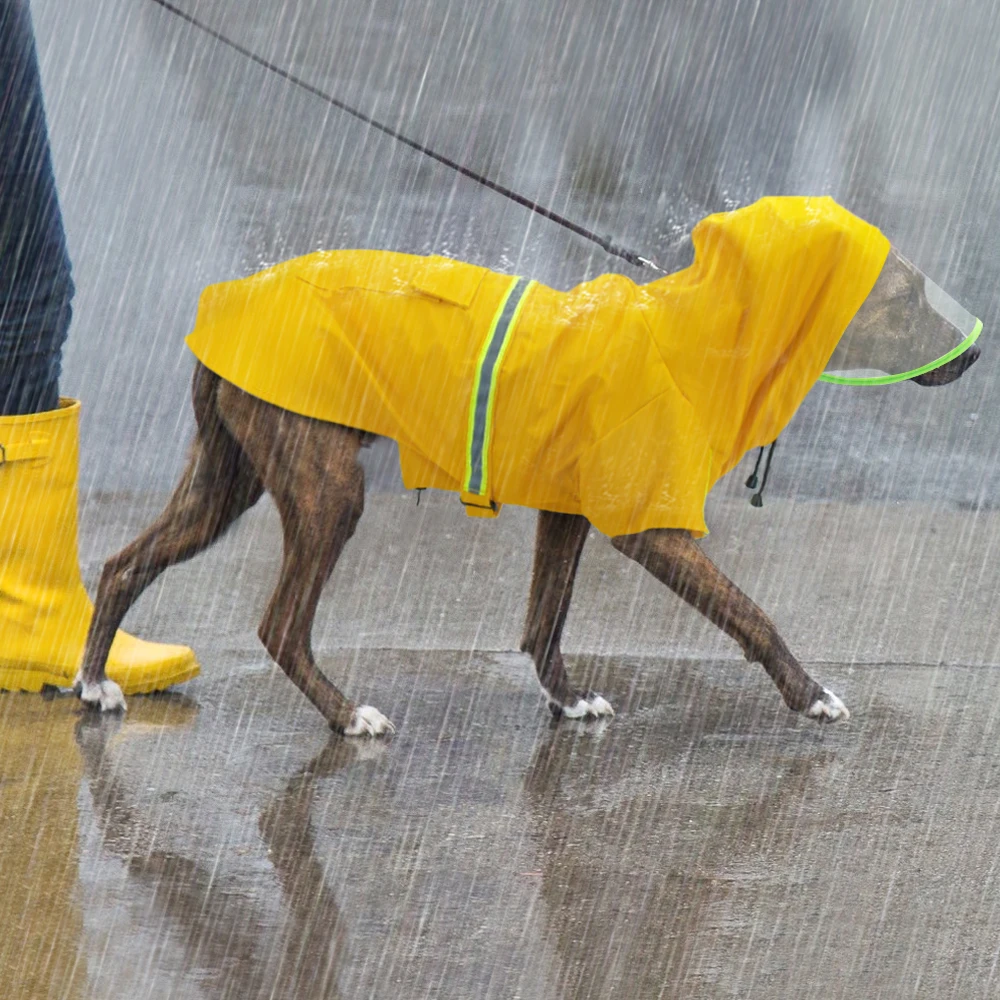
(889, 379)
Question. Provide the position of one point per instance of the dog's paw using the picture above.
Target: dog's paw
(368, 721)
(829, 708)
(106, 695)
(588, 706)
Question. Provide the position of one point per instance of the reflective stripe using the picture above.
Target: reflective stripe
(484, 387)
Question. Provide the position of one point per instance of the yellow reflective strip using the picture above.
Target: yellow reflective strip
(476, 382)
(488, 437)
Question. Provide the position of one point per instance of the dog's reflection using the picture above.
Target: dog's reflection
(228, 935)
(645, 875)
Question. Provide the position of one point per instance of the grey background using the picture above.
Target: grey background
(180, 164)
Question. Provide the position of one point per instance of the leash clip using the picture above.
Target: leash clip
(646, 262)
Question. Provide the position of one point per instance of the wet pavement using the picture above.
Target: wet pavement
(217, 842)
(704, 843)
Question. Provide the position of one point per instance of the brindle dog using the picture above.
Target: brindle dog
(245, 446)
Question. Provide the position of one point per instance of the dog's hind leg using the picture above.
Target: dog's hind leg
(311, 470)
(674, 558)
(559, 540)
(217, 486)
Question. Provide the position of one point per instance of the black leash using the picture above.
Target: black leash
(604, 242)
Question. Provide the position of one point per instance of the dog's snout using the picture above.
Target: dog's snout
(950, 371)
(970, 356)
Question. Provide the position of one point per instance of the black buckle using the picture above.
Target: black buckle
(3, 456)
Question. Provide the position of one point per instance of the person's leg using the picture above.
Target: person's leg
(35, 284)
(44, 608)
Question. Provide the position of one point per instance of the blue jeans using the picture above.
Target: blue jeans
(35, 284)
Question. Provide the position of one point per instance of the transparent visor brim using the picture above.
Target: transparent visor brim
(936, 329)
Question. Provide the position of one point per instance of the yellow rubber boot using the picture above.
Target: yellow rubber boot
(44, 609)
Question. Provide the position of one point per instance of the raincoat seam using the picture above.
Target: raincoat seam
(625, 420)
(363, 288)
(680, 392)
(663, 360)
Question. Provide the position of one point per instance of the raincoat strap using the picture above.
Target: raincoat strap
(25, 451)
(476, 492)
(476, 506)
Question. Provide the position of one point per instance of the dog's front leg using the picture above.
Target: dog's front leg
(558, 544)
(675, 559)
(287, 627)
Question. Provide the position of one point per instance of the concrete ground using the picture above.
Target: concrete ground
(218, 842)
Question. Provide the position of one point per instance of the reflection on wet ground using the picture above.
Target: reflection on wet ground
(703, 843)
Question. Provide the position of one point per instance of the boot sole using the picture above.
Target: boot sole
(32, 678)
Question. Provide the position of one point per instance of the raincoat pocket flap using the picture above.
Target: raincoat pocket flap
(451, 281)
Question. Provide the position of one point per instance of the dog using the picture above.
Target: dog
(245, 445)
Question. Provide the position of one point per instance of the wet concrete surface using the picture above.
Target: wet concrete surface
(704, 843)
(218, 842)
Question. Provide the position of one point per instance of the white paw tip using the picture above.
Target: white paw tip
(106, 695)
(368, 721)
(591, 706)
(829, 708)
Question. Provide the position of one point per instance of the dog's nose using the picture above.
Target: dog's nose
(970, 356)
(950, 371)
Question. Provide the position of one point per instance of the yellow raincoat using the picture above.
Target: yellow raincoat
(621, 402)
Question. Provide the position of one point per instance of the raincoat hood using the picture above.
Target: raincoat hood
(621, 402)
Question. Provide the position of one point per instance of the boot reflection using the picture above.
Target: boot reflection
(41, 953)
